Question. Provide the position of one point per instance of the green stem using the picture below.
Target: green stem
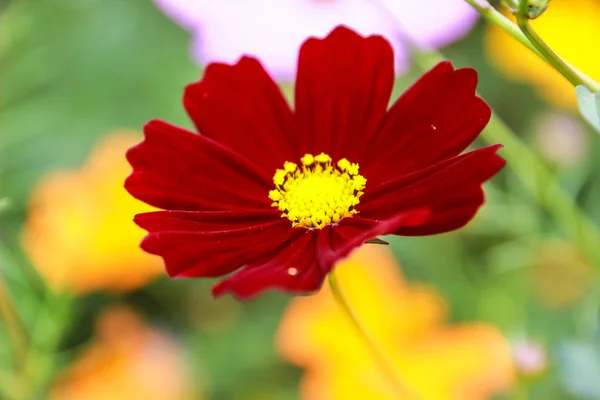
(495, 17)
(38, 367)
(13, 324)
(524, 33)
(536, 177)
(378, 354)
(572, 75)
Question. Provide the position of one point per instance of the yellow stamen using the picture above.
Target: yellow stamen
(318, 193)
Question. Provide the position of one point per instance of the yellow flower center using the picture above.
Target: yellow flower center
(317, 192)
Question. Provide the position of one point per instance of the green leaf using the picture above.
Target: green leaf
(589, 105)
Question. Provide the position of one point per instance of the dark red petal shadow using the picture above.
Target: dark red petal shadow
(302, 263)
(336, 242)
(293, 269)
(437, 118)
(204, 220)
(210, 244)
(343, 87)
(451, 189)
(242, 108)
(178, 170)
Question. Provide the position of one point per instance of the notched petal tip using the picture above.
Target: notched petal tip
(150, 129)
(445, 65)
(496, 159)
(342, 32)
(441, 69)
(466, 78)
(218, 72)
(496, 146)
(143, 220)
(345, 33)
(482, 109)
(154, 128)
(212, 80)
(342, 35)
(446, 75)
(493, 149)
(149, 243)
(155, 122)
(223, 288)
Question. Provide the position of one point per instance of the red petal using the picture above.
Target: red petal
(293, 269)
(204, 220)
(179, 170)
(437, 118)
(450, 189)
(209, 244)
(343, 87)
(337, 241)
(242, 108)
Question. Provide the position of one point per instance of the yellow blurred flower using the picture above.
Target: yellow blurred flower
(127, 360)
(469, 361)
(560, 275)
(571, 29)
(80, 233)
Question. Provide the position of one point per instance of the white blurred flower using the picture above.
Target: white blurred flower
(560, 138)
(273, 30)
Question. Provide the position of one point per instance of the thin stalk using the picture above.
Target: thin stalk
(574, 76)
(378, 354)
(52, 320)
(13, 324)
(524, 33)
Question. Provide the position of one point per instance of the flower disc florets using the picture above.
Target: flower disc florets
(318, 192)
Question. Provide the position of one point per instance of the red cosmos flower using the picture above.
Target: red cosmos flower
(277, 195)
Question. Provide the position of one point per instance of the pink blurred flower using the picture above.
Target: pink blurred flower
(273, 30)
(530, 357)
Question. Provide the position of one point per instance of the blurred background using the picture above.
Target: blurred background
(505, 308)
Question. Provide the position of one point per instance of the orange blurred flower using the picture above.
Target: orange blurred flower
(127, 360)
(571, 29)
(470, 361)
(80, 233)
